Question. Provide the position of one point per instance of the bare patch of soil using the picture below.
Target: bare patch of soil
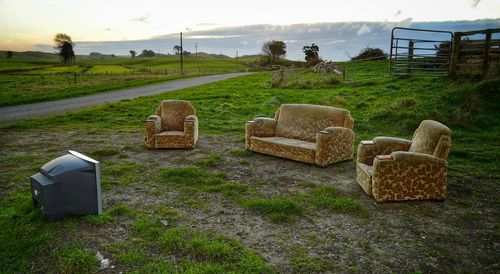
(457, 235)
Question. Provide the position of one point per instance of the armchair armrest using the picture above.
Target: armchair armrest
(153, 126)
(155, 122)
(191, 127)
(380, 146)
(409, 175)
(260, 127)
(334, 144)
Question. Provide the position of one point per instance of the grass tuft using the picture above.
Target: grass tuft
(76, 259)
(105, 152)
(277, 209)
(210, 161)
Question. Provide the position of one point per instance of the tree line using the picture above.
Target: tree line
(271, 51)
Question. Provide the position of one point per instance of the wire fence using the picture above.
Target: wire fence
(86, 77)
(348, 72)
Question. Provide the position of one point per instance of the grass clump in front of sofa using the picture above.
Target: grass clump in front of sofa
(277, 209)
(201, 252)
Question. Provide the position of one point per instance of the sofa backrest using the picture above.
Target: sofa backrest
(302, 121)
(173, 113)
(432, 138)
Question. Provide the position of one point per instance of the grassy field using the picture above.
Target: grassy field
(34, 79)
(219, 208)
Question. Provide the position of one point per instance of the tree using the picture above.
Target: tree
(133, 53)
(147, 53)
(177, 49)
(65, 46)
(274, 49)
(9, 54)
(312, 55)
(370, 54)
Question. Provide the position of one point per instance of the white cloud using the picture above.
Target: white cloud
(143, 19)
(363, 30)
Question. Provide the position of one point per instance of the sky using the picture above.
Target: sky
(27, 23)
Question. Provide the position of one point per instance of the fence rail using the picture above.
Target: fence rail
(475, 57)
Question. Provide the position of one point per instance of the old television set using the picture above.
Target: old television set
(68, 185)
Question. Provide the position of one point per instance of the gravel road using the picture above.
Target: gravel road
(13, 113)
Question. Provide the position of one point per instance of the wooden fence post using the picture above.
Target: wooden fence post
(410, 56)
(487, 45)
(455, 50)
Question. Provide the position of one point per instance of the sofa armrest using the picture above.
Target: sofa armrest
(334, 144)
(153, 126)
(191, 127)
(409, 175)
(260, 127)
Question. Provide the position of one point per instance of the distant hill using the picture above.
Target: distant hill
(29, 54)
(204, 55)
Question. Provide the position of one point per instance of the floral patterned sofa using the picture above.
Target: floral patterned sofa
(394, 169)
(174, 126)
(313, 134)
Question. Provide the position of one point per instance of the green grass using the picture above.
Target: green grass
(277, 209)
(305, 263)
(23, 233)
(197, 252)
(75, 259)
(45, 79)
(328, 197)
(109, 69)
(210, 161)
(385, 106)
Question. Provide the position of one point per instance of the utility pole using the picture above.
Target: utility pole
(196, 50)
(182, 57)
(236, 55)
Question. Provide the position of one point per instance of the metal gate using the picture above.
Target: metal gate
(420, 52)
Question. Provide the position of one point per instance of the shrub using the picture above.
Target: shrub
(371, 54)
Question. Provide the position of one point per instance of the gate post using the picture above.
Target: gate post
(487, 44)
(410, 56)
(455, 50)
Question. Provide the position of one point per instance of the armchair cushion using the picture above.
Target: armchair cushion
(173, 114)
(427, 136)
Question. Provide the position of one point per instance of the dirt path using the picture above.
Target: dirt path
(12, 113)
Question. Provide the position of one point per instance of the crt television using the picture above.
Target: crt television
(68, 185)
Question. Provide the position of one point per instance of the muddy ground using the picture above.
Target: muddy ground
(457, 235)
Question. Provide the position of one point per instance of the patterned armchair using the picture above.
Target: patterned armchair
(312, 134)
(394, 169)
(174, 126)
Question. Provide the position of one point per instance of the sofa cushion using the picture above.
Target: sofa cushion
(294, 149)
(173, 113)
(427, 136)
(302, 121)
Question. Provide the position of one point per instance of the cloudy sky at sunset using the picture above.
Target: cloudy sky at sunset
(25, 23)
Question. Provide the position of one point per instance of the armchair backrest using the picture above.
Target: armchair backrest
(173, 113)
(303, 121)
(432, 138)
